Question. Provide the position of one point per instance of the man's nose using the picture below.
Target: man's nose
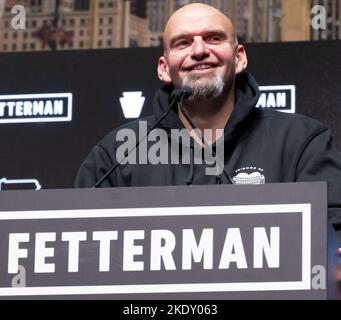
(200, 49)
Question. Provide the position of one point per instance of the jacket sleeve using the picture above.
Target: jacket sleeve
(93, 168)
(319, 161)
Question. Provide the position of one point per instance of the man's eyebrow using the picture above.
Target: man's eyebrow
(190, 35)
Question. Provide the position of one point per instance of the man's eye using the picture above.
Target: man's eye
(182, 44)
(214, 39)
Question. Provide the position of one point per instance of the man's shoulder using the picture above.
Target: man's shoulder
(110, 137)
(295, 121)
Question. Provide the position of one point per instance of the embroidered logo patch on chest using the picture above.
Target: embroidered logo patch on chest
(249, 175)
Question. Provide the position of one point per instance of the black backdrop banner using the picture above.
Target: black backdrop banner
(43, 141)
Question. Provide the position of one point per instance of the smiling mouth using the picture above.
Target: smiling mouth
(201, 67)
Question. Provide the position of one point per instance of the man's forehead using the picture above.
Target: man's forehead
(197, 21)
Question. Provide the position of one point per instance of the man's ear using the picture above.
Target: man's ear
(163, 70)
(241, 59)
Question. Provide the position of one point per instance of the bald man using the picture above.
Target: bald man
(259, 146)
(201, 51)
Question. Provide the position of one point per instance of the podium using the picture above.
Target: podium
(180, 242)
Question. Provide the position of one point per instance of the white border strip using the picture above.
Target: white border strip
(304, 284)
(38, 96)
(155, 288)
(148, 212)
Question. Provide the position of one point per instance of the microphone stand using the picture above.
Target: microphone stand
(205, 144)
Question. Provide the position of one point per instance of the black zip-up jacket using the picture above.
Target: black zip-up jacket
(260, 146)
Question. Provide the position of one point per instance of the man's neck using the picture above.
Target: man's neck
(209, 114)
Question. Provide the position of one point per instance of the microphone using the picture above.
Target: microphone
(178, 95)
(183, 94)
